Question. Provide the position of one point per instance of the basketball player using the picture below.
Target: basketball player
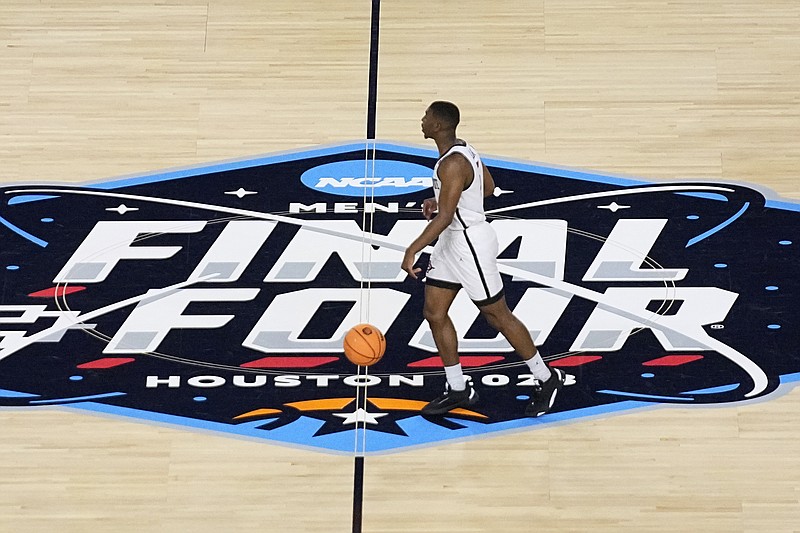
(465, 255)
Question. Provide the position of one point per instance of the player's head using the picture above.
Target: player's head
(440, 116)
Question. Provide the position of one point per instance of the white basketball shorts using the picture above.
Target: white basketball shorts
(467, 258)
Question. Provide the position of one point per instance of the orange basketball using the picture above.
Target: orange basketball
(364, 345)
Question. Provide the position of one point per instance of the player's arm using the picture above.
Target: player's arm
(488, 182)
(454, 172)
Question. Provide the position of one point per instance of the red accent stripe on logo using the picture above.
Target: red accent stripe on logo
(673, 360)
(56, 291)
(106, 362)
(289, 362)
(575, 360)
(467, 361)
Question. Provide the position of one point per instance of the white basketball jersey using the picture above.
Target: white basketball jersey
(469, 210)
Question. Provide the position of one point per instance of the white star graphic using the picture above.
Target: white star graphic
(240, 193)
(122, 209)
(613, 207)
(498, 191)
(360, 415)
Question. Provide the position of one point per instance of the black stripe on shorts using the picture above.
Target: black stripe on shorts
(442, 284)
(477, 264)
(489, 301)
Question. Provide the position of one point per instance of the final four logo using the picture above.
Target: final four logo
(217, 297)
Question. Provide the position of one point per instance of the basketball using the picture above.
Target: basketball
(364, 345)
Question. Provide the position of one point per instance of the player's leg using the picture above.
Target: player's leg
(458, 392)
(549, 381)
(438, 299)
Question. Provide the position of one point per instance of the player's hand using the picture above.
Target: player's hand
(408, 264)
(429, 207)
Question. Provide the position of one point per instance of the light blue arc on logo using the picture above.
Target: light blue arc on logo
(382, 177)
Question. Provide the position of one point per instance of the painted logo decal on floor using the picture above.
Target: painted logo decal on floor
(217, 297)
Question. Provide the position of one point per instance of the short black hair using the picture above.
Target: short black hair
(447, 112)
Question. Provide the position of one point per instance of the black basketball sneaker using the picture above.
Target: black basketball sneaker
(544, 394)
(451, 399)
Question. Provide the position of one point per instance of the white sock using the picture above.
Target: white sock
(538, 368)
(455, 377)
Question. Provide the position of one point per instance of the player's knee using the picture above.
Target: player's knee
(434, 315)
(499, 319)
(493, 320)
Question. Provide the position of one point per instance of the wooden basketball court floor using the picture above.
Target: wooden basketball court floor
(652, 89)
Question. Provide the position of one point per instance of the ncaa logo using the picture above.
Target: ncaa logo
(357, 178)
(218, 297)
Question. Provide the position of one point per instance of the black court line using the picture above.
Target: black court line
(358, 493)
(372, 111)
(372, 99)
